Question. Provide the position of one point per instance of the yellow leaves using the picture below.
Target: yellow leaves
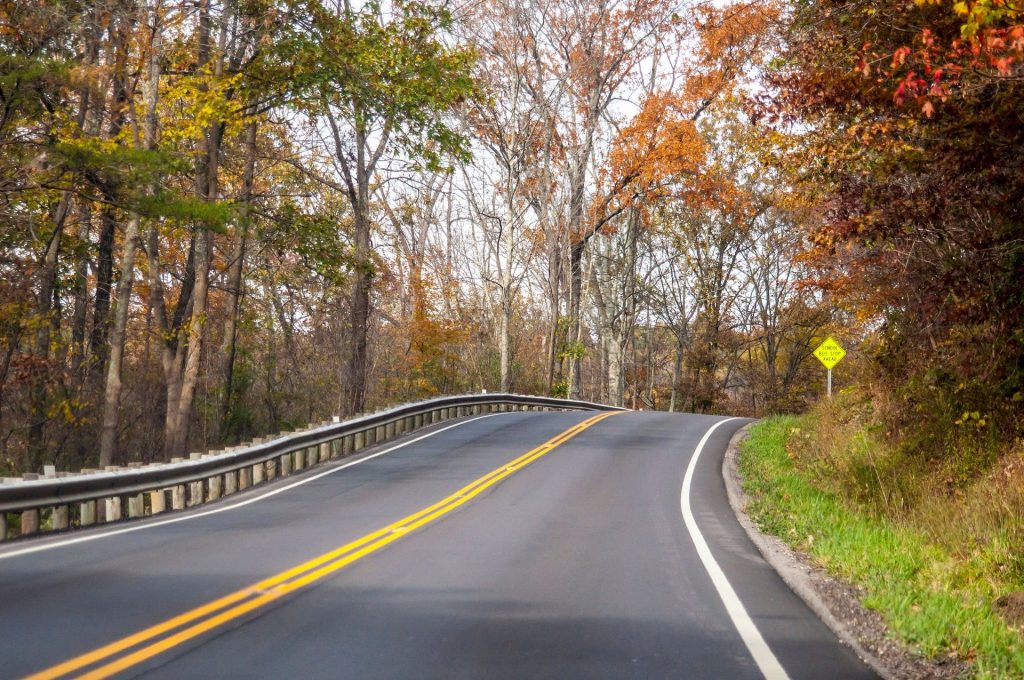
(193, 103)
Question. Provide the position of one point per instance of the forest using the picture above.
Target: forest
(226, 218)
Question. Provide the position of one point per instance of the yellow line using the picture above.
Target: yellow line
(297, 577)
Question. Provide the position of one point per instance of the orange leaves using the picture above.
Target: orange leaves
(661, 143)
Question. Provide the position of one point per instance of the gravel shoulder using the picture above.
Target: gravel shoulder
(836, 603)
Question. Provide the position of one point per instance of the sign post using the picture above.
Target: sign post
(830, 353)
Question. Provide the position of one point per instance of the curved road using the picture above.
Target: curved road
(516, 545)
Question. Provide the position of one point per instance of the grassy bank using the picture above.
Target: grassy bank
(834, 504)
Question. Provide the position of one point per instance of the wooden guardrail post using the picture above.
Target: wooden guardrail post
(157, 501)
(325, 452)
(136, 506)
(59, 518)
(3, 526)
(196, 494)
(230, 482)
(29, 521)
(87, 513)
(215, 486)
(112, 511)
(178, 497)
(359, 441)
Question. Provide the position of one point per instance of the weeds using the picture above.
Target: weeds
(932, 565)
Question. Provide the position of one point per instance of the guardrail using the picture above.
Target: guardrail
(62, 501)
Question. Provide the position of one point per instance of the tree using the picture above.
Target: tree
(382, 81)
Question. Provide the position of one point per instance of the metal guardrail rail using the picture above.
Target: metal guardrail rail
(71, 500)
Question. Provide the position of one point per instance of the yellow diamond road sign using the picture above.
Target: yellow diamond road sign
(830, 353)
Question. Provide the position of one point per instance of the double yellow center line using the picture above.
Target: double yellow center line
(179, 629)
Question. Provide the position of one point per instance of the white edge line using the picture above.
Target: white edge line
(233, 506)
(763, 656)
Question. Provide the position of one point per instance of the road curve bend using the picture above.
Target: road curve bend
(513, 545)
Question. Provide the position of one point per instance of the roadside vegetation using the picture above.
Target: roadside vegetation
(936, 543)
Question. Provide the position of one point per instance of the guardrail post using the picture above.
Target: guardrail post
(348, 444)
(3, 526)
(245, 477)
(389, 430)
(178, 497)
(335, 448)
(298, 459)
(29, 521)
(286, 464)
(258, 472)
(215, 486)
(136, 506)
(195, 494)
(59, 518)
(112, 509)
(371, 436)
(325, 452)
(230, 482)
(157, 502)
(87, 513)
(380, 434)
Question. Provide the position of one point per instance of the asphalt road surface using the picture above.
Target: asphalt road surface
(516, 545)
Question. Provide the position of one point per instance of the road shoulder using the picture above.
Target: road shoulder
(835, 602)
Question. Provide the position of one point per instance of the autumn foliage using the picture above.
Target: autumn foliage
(913, 153)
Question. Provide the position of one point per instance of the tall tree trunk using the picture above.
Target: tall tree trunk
(81, 300)
(575, 318)
(122, 300)
(359, 320)
(359, 313)
(677, 369)
(108, 216)
(234, 283)
(48, 323)
(554, 278)
(207, 188)
(505, 343)
(101, 302)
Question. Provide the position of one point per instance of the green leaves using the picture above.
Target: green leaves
(385, 70)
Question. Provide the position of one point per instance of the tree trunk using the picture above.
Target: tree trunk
(505, 342)
(359, 319)
(677, 369)
(360, 312)
(44, 332)
(575, 319)
(234, 284)
(122, 300)
(207, 167)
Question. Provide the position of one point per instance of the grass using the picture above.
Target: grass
(936, 599)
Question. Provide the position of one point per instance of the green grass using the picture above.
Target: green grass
(938, 603)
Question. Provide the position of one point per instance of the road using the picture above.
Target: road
(515, 545)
